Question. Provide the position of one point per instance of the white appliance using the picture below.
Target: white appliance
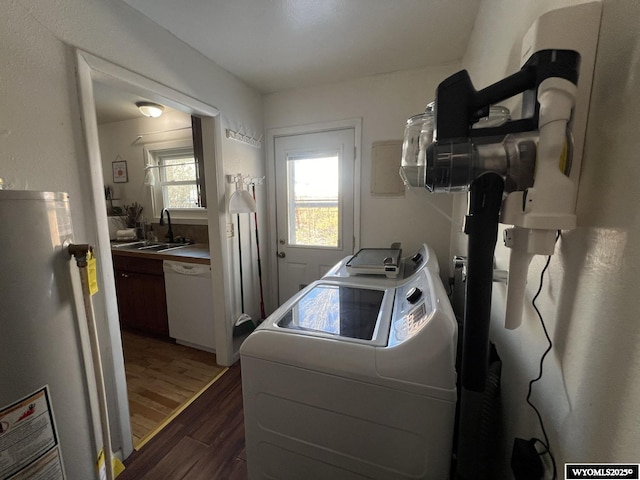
(190, 304)
(425, 257)
(47, 421)
(354, 377)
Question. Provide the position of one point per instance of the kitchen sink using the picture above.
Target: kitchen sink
(147, 246)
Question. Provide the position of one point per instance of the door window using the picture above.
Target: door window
(313, 186)
(315, 205)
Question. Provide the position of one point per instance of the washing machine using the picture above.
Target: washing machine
(354, 376)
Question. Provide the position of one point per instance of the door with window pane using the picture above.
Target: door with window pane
(314, 203)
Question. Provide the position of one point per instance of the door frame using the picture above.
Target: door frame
(89, 69)
(272, 135)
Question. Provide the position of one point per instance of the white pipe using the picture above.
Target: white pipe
(516, 285)
(97, 368)
(524, 244)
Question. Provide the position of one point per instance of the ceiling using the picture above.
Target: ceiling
(276, 45)
(114, 105)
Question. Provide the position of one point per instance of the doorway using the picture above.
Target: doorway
(91, 69)
(316, 184)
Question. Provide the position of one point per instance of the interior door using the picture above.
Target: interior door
(314, 205)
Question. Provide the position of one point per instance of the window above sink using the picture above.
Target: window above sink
(178, 183)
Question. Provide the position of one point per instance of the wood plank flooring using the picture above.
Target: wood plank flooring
(161, 378)
(205, 442)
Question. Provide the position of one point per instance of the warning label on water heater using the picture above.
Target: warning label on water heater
(29, 447)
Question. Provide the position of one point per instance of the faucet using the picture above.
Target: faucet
(170, 232)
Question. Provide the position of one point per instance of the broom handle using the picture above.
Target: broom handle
(255, 219)
(240, 259)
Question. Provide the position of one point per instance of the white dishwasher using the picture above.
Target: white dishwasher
(190, 304)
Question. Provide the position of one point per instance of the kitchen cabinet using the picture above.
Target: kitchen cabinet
(142, 301)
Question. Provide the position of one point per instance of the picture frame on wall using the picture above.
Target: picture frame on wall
(120, 171)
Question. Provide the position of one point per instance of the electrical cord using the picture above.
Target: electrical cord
(544, 443)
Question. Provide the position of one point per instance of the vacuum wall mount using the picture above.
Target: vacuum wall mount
(539, 155)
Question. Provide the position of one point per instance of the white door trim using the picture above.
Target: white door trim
(272, 134)
(90, 68)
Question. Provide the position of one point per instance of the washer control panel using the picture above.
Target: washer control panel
(413, 308)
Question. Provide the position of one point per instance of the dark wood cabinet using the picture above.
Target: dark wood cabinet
(142, 301)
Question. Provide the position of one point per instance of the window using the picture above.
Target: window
(177, 179)
(178, 171)
(313, 193)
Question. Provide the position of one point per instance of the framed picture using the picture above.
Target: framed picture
(120, 171)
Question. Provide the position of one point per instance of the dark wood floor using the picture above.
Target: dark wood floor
(205, 442)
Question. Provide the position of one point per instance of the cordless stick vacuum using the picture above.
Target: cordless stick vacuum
(526, 159)
(535, 159)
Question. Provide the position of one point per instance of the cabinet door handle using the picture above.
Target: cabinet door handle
(124, 275)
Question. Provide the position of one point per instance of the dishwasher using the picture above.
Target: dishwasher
(190, 304)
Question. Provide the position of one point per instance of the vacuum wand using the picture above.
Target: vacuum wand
(481, 226)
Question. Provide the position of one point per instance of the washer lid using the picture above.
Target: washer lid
(336, 310)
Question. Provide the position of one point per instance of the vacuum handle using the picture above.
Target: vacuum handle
(459, 105)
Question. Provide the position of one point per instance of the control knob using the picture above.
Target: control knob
(413, 295)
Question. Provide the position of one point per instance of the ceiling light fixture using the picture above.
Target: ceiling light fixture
(149, 109)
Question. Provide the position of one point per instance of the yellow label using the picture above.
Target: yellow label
(564, 162)
(564, 158)
(102, 471)
(117, 466)
(92, 271)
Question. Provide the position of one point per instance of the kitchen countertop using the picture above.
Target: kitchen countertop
(196, 253)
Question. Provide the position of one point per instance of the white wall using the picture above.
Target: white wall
(41, 135)
(384, 102)
(588, 394)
